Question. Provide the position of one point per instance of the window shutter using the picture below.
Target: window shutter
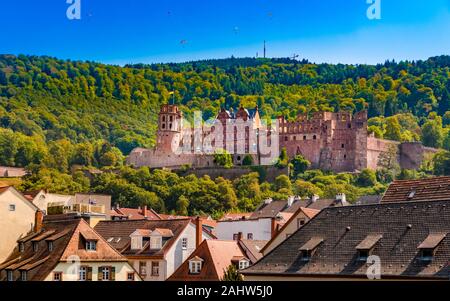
(89, 274)
(113, 273)
(100, 274)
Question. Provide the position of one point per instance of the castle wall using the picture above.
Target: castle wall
(375, 147)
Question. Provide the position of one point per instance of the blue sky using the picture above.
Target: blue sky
(134, 31)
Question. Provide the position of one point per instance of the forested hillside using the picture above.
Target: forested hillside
(55, 114)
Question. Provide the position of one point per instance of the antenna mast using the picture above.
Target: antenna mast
(264, 48)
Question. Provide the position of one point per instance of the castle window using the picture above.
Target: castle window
(286, 138)
(163, 126)
(294, 138)
(343, 145)
(171, 118)
(314, 137)
(304, 137)
(345, 156)
(164, 118)
(170, 126)
(239, 158)
(349, 125)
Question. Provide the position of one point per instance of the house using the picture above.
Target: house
(271, 208)
(213, 257)
(270, 217)
(12, 172)
(297, 220)
(92, 207)
(435, 188)
(368, 200)
(405, 240)
(118, 213)
(60, 249)
(155, 248)
(17, 217)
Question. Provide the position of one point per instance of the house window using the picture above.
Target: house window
(82, 274)
(10, 275)
(155, 242)
(235, 236)
(143, 268)
(23, 276)
(306, 255)
(155, 268)
(300, 222)
(57, 276)
(106, 273)
(195, 267)
(426, 255)
(250, 236)
(243, 264)
(50, 246)
(91, 245)
(12, 207)
(130, 277)
(184, 243)
(363, 255)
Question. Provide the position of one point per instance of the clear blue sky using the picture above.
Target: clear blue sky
(133, 31)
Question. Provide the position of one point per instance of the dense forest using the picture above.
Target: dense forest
(55, 114)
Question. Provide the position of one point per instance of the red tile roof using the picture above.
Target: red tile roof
(217, 256)
(135, 214)
(429, 189)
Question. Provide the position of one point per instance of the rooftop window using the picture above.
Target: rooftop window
(429, 246)
(366, 246)
(309, 248)
(91, 245)
(195, 265)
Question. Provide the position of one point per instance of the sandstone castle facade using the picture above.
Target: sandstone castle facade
(330, 141)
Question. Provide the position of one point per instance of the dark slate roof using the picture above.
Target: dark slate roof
(403, 227)
(117, 233)
(430, 189)
(272, 209)
(369, 200)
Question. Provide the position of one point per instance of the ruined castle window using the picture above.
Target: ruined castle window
(239, 158)
(163, 126)
(170, 126)
(314, 137)
(286, 138)
(164, 118)
(304, 137)
(171, 118)
(349, 125)
(343, 145)
(345, 156)
(294, 138)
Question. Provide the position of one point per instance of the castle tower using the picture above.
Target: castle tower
(169, 127)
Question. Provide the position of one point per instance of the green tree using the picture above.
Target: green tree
(393, 129)
(248, 160)
(300, 165)
(432, 134)
(441, 163)
(283, 159)
(182, 206)
(367, 178)
(232, 274)
(223, 158)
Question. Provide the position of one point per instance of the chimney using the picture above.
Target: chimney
(38, 221)
(239, 236)
(290, 201)
(314, 198)
(198, 231)
(341, 197)
(273, 227)
(117, 206)
(144, 211)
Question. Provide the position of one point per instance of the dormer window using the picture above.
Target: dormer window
(10, 275)
(309, 248)
(91, 245)
(243, 264)
(35, 246)
(23, 275)
(155, 242)
(366, 246)
(21, 247)
(429, 246)
(50, 246)
(195, 265)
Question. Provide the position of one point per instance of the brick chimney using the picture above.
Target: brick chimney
(144, 211)
(38, 220)
(198, 231)
(273, 227)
